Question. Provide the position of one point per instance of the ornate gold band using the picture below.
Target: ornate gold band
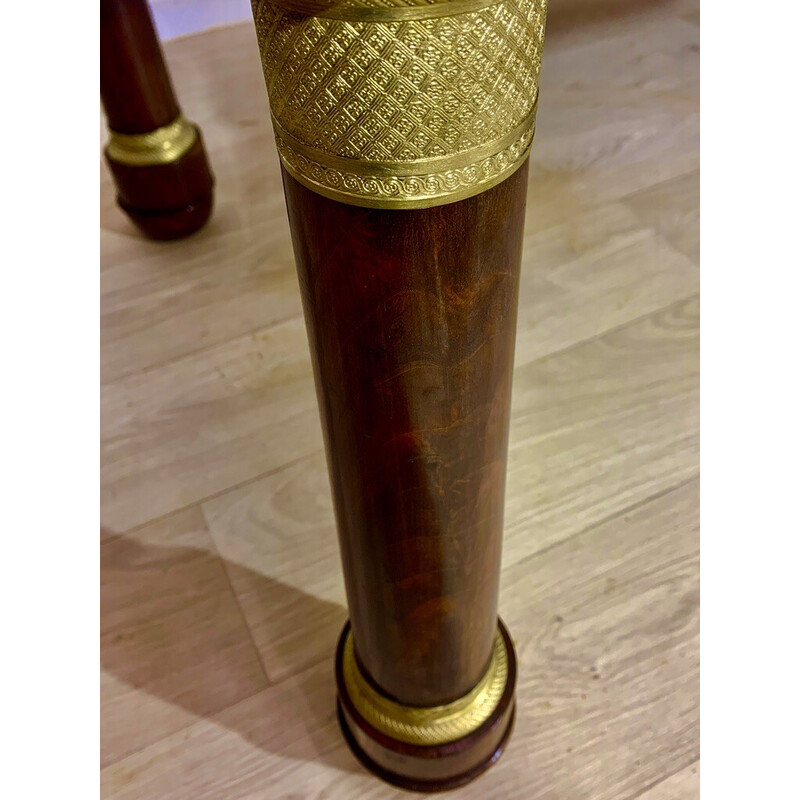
(405, 185)
(161, 146)
(432, 725)
(382, 10)
(401, 103)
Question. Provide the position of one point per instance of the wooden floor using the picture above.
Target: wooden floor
(222, 594)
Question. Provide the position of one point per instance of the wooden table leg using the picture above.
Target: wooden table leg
(411, 318)
(156, 156)
(404, 135)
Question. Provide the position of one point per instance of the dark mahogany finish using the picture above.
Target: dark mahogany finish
(166, 201)
(134, 83)
(411, 318)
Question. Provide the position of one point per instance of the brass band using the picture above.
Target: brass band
(401, 103)
(434, 725)
(382, 10)
(161, 146)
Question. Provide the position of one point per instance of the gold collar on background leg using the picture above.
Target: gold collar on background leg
(161, 146)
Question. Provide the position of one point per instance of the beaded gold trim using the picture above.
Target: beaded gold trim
(161, 146)
(401, 103)
(433, 725)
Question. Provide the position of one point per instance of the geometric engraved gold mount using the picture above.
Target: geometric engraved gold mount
(434, 725)
(401, 103)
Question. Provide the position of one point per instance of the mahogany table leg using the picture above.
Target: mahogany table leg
(411, 318)
(403, 132)
(156, 156)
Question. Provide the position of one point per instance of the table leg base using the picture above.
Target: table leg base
(427, 768)
(174, 224)
(167, 201)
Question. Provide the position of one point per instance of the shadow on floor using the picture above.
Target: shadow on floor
(171, 626)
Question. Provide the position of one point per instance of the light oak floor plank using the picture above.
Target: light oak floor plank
(176, 434)
(683, 785)
(673, 209)
(577, 280)
(601, 426)
(159, 308)
(607, 634)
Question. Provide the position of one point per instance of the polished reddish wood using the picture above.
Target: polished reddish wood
(134, 83)
(166, 201)
(411, 318)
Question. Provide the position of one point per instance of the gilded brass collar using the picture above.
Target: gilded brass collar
(401, 103)
(161, 146)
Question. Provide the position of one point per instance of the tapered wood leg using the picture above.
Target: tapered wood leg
(404, 130)
(156, 156)
(411, 318)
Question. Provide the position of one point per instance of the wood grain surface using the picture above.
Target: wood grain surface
(222, 592)
(411, 318)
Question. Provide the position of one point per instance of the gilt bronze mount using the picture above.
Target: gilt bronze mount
(401, 104)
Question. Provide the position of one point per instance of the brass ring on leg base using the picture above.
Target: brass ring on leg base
(163, 179)
(427, 749)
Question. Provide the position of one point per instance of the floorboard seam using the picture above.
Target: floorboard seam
(599, 523)
(614, 329)
(694, 760)
(191, 353)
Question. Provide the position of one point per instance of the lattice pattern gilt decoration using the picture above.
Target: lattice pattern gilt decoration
(401, 103)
